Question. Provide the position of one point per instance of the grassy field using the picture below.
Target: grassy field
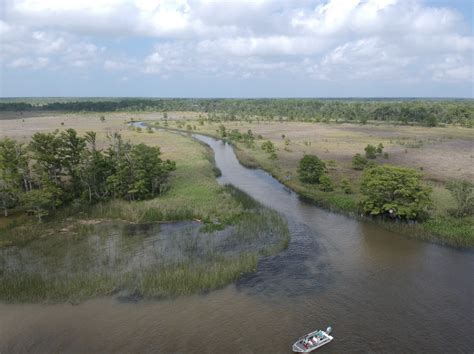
(60, 274)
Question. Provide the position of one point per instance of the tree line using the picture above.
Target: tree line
(59, 167)
(426, 112)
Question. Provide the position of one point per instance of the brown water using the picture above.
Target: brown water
(381, 292)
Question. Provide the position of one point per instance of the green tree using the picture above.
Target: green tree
(463, 194)
(395, 191)
(325, 183)
(222, 131)
(359, 162)
(37, 202)
(310, 169)
(46, 151)
(71, 150)
(13, 173)
(370, 151)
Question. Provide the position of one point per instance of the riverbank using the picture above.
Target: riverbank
(439, 228)
(141, 249)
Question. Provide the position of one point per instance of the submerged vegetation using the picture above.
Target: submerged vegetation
(141, 260)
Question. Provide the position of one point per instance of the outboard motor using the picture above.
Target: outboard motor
(329, 330)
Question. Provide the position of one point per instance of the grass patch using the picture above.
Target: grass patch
(191, 278)
(453, 231)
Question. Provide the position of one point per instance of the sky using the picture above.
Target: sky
(245, 48)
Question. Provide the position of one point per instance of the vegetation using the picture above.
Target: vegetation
(310, 169)
(346, 186)
(359, 162)
(370, 151)
(325, 183)
(463, 193)
(233, 233)
(425, 112)
(394, 191)
(98, 259)
(59, 167)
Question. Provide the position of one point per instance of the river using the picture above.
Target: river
(380, 291)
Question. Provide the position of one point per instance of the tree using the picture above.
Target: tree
(311, 169)
(13, 173)
(394, 191)
(222, 131)
(359, 162)
(45, 149)
(71, 150)
(325, 183)
(370, 151)
(463, 193)
(38, 202)
(138, 171)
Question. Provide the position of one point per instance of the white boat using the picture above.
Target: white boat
(312, 341)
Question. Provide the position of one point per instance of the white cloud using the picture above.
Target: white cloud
(153, 63)
(330, 39)
(29, 63)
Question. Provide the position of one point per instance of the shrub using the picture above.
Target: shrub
(268, 147)
(346, 186)
(222, 131)
(395, 191)
(380, 148)
(311, 169)
(462, 191)
(359, 162)
(325, 183)
(385, 155)
(370, 151)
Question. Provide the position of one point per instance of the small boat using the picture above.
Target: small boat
(312, 341)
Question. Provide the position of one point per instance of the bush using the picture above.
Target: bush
(311, 169)
(394, 191)
(462, 191)
(359, 162)
(346, 186)
(380, 148)
(268, 147)
(370, 151)
(325, 183)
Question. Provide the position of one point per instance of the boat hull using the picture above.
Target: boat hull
(302, 345)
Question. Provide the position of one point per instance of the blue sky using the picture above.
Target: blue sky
(246, 48)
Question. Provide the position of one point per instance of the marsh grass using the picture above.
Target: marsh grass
(151, 260)
(197, 277)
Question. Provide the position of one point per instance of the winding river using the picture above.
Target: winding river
(380, 291)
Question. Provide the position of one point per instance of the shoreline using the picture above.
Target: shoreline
(416, 230)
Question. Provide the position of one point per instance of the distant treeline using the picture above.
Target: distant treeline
(427, 112)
